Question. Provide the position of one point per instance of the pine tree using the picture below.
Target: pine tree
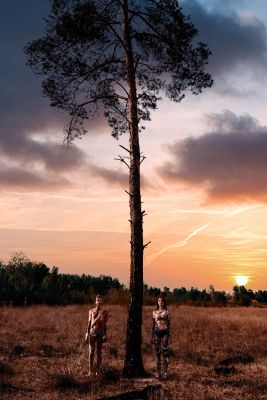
(115, 57)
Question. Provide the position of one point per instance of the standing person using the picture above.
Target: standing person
(160, 335)
(96, 333)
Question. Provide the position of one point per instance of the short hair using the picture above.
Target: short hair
(98, 296)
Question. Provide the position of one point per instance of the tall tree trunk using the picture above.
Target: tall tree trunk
(133, 365)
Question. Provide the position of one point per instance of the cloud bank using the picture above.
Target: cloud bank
(12, 178)
(234, 39)
(229, 161)
(28, 123)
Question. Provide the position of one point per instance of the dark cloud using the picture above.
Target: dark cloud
(233, 41)
(120, 178)
(52, 155)
(110, 176)
(230, 161)
(15, 178)
(24, 179)
(26, 117)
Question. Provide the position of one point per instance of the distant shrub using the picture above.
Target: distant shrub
(24, 282)
(242, 296)
(117, 296)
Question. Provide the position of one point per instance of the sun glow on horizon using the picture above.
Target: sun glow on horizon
(241, 280)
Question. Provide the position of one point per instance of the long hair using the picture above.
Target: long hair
(164, 303)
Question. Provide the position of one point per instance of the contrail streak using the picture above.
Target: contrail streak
(181, 243)
(240, 210)
(222, 212)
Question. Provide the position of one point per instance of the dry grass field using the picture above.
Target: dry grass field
(215, 354)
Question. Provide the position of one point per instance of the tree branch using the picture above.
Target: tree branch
(113, 30)
(124, 148)
(119, 112)
(122, 159)
(143, 158)
(145, 245)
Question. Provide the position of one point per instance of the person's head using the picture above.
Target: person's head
(98, 300)
(161, 303)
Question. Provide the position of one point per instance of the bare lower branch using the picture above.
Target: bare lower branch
(145, 245)
(122, 159)
(143, 158)
(124, 148)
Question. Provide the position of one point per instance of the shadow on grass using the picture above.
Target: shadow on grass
(239, 359)
(150, 392)
(63, 382)
(110, 375)
(7, 387)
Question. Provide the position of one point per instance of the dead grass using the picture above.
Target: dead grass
(215, 354)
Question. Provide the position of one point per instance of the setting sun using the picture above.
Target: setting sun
(241, 280)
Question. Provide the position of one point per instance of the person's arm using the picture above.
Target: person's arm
(169, 323)
(105, 320)
(88, 325)
(153, 328)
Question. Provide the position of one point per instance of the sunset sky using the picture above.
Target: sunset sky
(204, 178)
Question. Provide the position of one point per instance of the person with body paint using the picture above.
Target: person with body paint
(96, 334)
(160, 336)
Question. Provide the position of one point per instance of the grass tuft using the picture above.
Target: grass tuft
(46, 350)
(113, 351)
(225, 370)
(7, 387)
(18, 350)
(5, 369)
(63, 382)
(241, 359)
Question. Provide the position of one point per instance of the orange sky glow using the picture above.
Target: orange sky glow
(203, 181)
(190, 245)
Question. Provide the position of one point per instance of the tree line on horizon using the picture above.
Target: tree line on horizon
(24, 282)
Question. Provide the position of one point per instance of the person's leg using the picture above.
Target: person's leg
(157, 341)
(92, 343)
(98, 353)
(165, 342)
